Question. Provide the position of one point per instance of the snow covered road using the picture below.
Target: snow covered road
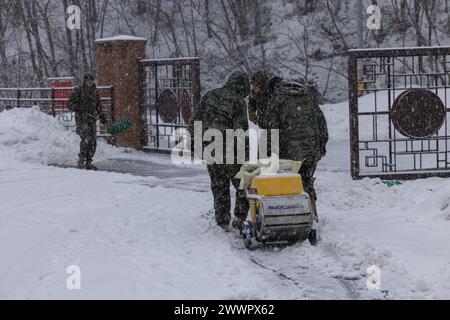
(131, 241)
(146, 237)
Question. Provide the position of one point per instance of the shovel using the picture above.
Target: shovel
(119, 127)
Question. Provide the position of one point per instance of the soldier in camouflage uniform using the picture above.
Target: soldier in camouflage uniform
(259, 98)
(225, 108)
(85, 102)
(313, 91)
(294, 110)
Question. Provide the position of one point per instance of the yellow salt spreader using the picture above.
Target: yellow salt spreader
(280, 210)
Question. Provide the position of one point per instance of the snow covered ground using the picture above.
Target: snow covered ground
(152, 235)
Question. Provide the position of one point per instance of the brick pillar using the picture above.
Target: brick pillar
(117, 65)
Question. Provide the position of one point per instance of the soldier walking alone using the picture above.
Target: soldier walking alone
(85, 102)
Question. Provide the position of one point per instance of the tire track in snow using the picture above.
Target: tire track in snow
(29, 250)
(277, 272)
(282, 268)
(350, 290)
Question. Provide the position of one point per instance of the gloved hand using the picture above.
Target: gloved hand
(103, 119)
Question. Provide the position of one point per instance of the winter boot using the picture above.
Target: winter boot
(80, 164)
(90, 166)
(313, 236)
(224, 226)
(238, 223)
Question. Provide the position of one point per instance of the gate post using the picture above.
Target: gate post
(117, 65)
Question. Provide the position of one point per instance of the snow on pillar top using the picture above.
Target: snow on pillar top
(120, 38)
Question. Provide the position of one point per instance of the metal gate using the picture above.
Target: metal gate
(399, 112)
(169, 90)
(46, 100)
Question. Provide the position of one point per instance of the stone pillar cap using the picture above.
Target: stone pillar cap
(120, 38)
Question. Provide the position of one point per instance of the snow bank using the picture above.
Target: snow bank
(337, 120)
(436, 206)
(29, 135)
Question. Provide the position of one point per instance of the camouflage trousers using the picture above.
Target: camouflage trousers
(221, 175)
(88, 144)
(307, 171)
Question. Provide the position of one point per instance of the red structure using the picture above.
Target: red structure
(62, 91)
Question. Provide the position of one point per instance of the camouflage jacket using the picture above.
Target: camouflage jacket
(224, 108)
(85, 102)
(295, 111)
(322, 122)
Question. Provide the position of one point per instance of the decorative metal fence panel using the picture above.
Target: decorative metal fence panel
(169, 90)
(45, 99)
(399, 112)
